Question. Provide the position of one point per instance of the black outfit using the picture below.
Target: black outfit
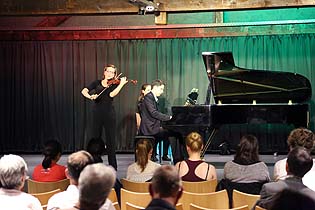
(104, 116)
(151, 122)
(159, 204)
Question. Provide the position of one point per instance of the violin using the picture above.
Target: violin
(116, 81)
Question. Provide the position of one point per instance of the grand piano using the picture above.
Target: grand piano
(243, 96)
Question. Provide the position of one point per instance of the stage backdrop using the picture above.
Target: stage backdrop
(41, 83)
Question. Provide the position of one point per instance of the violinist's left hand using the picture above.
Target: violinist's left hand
(123, 80)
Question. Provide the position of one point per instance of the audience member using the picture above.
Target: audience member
(292, 200)
(298, 137)
(96, 147)
(194, 169)
(165, 189)
(142, 170)
(67, 199)
(13, 171)
(49, 170)
(299, 162)
(95, 176)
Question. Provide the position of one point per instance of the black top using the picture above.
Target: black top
(159, 204)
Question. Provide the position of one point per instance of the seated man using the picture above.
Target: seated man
(299, 162)
(13, 171)
(165, 188)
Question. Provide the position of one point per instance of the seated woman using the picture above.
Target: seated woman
(142, 170)
(49, 170)
(194, 169)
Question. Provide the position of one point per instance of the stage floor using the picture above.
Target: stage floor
(124, 160)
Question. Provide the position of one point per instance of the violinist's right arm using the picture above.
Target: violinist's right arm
(85, 93)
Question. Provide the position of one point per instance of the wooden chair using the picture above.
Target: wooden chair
(200, 187)
(130, 206)
(44, 197)
(41, 187)
(196, 207)
(214, 200)
(135, 198)
(142, 187)
(113, 196)
(116, 205)
(259, 208)
(241, 199)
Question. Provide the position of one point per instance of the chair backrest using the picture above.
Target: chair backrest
(130, 206)
(116, 205)
(44, 197)
(112, 196)
(135, 186)
(40, 187)
(259, 208)
(214, 200)
(135, 198)
(200, 187)
(241, 199)
(196, 207)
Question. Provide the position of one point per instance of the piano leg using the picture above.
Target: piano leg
(209, 140)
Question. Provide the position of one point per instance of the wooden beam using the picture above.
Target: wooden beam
(52, 21)
(153, 33)
(76, 7)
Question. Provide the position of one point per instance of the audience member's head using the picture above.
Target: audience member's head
(166, 184)
(299, 162)
(96, 147)
(13, 170)
(144, 151)
(301, 137)
(247, 150)
(95, 176)
(194, 142)
(76, 163)
(52, 152)
(289, 199)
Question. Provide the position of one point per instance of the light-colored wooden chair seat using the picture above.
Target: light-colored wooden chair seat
(214, 200)
(241, 199)
(196, 207)
(135, 186)
(44, 197)
(41, 187)
(135, 198)
(200, 187)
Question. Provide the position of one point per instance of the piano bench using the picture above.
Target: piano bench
(152, 139)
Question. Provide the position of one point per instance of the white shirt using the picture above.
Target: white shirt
(11, 199)
(135, 174)
(279, 172)
(67, 199)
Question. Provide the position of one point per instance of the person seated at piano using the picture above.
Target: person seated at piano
(246, 172)
(151, 118)
(194, 169)
(299, 137)
(142, 170)
(145, 89)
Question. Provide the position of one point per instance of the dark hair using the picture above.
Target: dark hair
(52, 148)
(157, 82)
(77, 162)
(96, 147)
(143, 87)
(301, 137)
(299, 161)
(247, 151)
(143, 148)
(290, 199)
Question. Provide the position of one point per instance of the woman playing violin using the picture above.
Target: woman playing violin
(102, 93)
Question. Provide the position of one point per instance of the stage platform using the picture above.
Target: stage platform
(124, 160)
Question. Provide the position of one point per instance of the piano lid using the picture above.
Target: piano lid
(232, 84)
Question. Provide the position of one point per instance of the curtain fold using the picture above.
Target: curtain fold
(41, 83)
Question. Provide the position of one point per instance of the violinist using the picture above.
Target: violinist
(102, 93)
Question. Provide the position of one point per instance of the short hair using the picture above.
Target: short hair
(157, 83)
(52, 148)
(77, 162)
(95, 183)
(194, 141)
(96, 147)
(12, 169)
(247, 150)
(166, 181)
(301, 137)
(143, 148)
(299, 161)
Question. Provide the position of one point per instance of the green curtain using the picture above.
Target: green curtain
(42, 81)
